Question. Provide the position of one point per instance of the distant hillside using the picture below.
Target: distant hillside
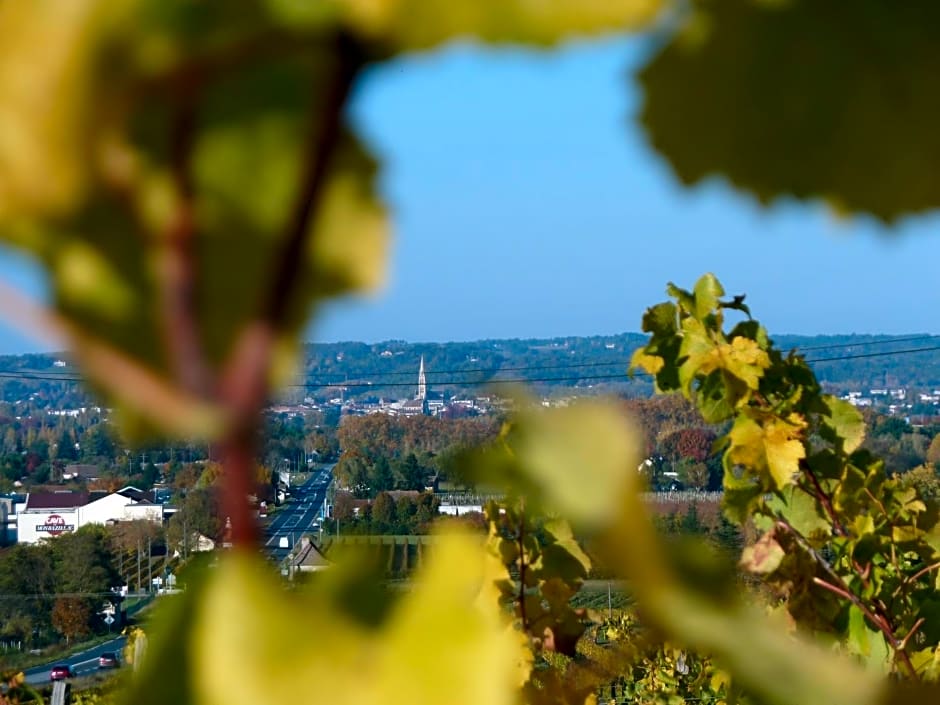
(595, 364)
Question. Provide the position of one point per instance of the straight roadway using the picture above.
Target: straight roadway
(300, 514)
(83, 663)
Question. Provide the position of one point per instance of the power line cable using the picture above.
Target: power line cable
(885, 341)
(621, 361)
(530, 380)
(884, 353)
(72, 377)
(64, 377)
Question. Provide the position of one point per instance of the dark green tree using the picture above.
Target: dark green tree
(383, 512)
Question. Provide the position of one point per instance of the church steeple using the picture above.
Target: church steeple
(422, 382)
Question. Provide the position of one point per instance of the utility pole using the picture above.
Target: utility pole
(138, 565)
(149, 566)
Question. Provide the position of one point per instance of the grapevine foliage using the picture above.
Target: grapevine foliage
(186, 173)
(849, 552)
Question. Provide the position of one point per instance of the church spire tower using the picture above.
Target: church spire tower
(422, 382)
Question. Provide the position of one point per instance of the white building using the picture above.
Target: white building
(50, 514)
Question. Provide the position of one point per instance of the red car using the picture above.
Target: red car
(60, 672)
(108, 660)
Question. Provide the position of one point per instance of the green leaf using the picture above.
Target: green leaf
(866, 642)
(802, 512)
(783, 100)
(742, 494)
(714, 400)
(661, 320)
(845, 422)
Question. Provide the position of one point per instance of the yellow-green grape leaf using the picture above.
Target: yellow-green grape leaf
(46, 52)
(802, 512)
(866, 642)
(698, 348)
(708, 292)
(773, 446)
(742, 357)
(651, 364)
(581, 457)
(446, 640)
(417, 24)
(784, 100)
(846, 422)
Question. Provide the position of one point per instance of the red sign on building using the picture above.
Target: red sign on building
(55, 525)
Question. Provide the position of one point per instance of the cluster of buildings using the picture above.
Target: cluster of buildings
(425, 402)
(917, 407)
(892, 399)
(32, 517)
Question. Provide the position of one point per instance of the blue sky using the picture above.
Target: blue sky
(526, 203)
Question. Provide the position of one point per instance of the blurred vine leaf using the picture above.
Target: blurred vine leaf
(158, 158)
(249, 641)
(830, 100)
(420, 24)
(579, 457)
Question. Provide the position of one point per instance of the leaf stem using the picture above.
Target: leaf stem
(177, 267)
(520, 537)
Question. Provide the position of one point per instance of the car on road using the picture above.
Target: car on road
(108, 659)
(60, 672)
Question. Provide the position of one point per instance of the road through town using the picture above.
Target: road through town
(300, 514)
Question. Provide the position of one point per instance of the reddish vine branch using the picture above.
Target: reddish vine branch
(520, 537)
(876, 616)
(243, 386)
(177, 261)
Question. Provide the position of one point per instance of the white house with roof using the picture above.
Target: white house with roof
(49, 514)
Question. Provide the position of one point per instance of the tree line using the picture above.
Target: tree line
(388, 513)
(56, 588)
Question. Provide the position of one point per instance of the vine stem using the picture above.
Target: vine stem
(920, 573)
(522, 567)
(838, 587)
(244, 382)
(176, 263)
(824, 499)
